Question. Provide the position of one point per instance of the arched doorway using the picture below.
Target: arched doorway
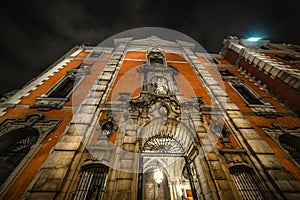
(14, 146)
(153, 190)
(166, 155)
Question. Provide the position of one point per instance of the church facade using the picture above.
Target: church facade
(155, 119)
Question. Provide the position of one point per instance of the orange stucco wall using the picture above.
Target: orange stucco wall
(64, 115)
(129, 80)
(258, 121)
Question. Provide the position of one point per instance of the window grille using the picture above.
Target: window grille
(91, 183)
(163, 145)
(16, 148)
(246, 183)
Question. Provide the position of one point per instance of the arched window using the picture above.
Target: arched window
(160, 144)
(291, 144)
(246, 183)
(14, 146)
(91, 183)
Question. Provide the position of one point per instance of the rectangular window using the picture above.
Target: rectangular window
(248, 95)
(95, 54)
(226, 73)
(246, 183)
(59, 94)
(91, 183)
(63, 88)
(213, 60)
(285, 57)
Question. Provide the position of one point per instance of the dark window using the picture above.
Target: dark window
(212, 60)
(247, 94)
(14, 146)
(91, 183)
(156, 60)
(246, 183)
(226, 73)
(85, 66)
(156, 57)
(291, 144)
(95, 54)
(63, 88)
(265, 48)
(285, 57)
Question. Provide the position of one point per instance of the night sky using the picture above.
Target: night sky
(34, 34)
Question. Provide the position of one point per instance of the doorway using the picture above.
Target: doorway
(154, 191)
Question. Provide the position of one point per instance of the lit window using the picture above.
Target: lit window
(246, 183)
(92, 182)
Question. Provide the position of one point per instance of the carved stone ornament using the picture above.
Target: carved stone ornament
(35, 120)
(160, 85)
(232, 155)
(155, 56)
(124, 96)
(265, 110)
(46, 103)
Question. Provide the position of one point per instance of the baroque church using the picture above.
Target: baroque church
(151, 118)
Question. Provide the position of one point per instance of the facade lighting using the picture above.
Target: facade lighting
(158, 176)
(253, 39)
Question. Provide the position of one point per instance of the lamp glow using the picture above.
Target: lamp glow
(253, 39)
(158, 176)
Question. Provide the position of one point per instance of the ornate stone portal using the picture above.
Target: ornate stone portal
(166, 136)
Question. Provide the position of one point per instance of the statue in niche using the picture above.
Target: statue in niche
(161, 86)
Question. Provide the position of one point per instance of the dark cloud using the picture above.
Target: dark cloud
(35, 33)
